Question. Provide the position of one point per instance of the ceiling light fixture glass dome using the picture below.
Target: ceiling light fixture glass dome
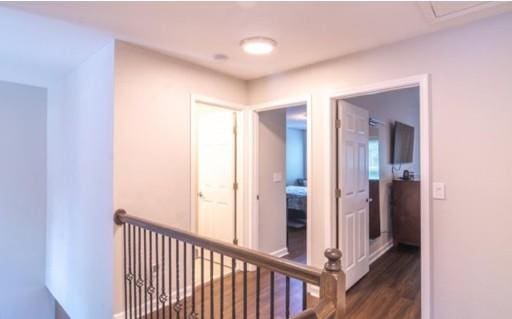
(258, 45)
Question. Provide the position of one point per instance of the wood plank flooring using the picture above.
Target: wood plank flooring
(297, 245)
(391, 290)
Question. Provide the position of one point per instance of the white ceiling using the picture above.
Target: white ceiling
(306, 32)
(34, 49)
(296, 117)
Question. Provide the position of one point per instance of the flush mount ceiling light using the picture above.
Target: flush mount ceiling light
(258, 45)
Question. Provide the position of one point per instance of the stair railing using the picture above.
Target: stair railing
(172, 273)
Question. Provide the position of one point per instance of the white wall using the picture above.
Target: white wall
(23, 203)
(295, 155)
(399, 105)
(272, 194)
(471, 76)
(152, 136)
(79, 198)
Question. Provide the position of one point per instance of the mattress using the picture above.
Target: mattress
(296, 197)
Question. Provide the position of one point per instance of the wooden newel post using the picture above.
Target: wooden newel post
(117, 216)
(332, 284)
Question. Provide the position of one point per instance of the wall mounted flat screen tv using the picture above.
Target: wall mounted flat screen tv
(402, 143)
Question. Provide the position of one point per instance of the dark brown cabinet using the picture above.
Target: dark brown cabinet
(405, 209)
(374, 209)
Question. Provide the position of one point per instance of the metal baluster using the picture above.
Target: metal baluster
(130, 275)
(169, 246)
(304, 295)
(287, 307)
(184, 280)
(258, 277)
(221, 286)
(202, 282)
(163, 296)
(233, 287)
(178, 279)
(125, 273)
(157, 277)
(212, 309)
(272, 295)
(193, 279)
(145, 276)
(139, 275)
(151, 288)
(245, 290)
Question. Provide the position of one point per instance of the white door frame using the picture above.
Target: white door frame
(194, 100)
(253, 187)
(423, 82)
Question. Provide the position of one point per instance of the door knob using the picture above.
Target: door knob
(200, 194)
(369, 200)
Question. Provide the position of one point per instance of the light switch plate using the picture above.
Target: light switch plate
(278, 177)
(439, 191)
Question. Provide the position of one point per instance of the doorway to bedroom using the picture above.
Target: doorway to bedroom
(381, 139)
(296, 182)
(281, 170)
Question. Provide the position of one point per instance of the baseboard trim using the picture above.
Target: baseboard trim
(381, 251)
(314, 291)
(280, 252)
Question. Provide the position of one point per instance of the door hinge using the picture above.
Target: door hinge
(338, 193)
(338, 123)
(235, 186)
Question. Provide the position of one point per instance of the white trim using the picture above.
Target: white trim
(194, 99)
(280, 252)
(423, 82)
(379, 252)
(253, 187)
(314, 291)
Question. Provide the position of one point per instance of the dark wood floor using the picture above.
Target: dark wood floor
(391, 290)
(297, 245)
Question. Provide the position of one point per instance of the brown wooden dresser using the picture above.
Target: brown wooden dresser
(405, 210)
(374, 209)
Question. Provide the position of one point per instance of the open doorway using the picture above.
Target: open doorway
(281, 171)
(296, 183)
(382, 202)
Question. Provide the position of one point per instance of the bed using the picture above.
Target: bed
(296, 197)
(296, 204)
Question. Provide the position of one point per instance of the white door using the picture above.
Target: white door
(216, 160)
(353, 186)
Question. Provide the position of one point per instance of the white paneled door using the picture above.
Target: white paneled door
(216, 172)
(353, 189)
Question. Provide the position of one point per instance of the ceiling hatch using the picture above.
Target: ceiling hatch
(441, 10)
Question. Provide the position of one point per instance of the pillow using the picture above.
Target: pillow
(302, 182)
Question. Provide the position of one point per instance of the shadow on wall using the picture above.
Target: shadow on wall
(59, 312)
(23, 203)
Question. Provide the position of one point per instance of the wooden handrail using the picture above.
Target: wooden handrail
(324, 309)
(286, 267)
(331, 279)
